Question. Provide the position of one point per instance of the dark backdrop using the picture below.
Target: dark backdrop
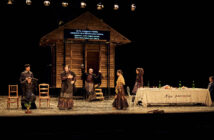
(172, 41)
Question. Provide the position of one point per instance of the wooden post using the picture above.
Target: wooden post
(64, 57)
(53, 68)
(108, 68)
(83, 69)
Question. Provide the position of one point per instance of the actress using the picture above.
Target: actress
(120, 101)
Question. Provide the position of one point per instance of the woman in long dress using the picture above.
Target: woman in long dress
(66, 95)
(120, 102)
(138, 82)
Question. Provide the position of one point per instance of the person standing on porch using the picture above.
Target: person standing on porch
(90, 80)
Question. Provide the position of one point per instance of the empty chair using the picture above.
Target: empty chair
(44, 94)
(13, 89)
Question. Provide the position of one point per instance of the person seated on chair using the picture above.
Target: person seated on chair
(211, 87)
(29, 88)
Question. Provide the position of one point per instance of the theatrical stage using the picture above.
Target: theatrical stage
(83, 107)
(98, 119)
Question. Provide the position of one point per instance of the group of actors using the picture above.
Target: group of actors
(91, 80)
(29, 87)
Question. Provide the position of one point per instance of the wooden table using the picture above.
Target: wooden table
(173, 96)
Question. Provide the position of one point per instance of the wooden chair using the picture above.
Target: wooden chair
(44, 94)
(15, 98)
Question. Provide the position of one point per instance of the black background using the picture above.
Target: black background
(171, 40)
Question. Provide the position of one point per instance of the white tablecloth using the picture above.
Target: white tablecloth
(173, 96)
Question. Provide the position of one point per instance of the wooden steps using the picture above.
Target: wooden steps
(99, 94)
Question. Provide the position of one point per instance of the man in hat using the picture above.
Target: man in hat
(26, 74)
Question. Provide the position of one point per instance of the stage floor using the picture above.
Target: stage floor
(83, 107)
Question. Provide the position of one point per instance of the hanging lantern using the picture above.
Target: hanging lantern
(47, 3)
(10, 2)
(100, 6)
(60, 23)
(83, 4)
(133, 7)
(116, 6)
(28, 2)
(64, 4)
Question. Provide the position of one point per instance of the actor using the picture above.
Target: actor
(90, 80)
(29, 88)
(98, 80)
(120, 101)
(211, 87)
(66, 95)
(26, 74)
(138, 82)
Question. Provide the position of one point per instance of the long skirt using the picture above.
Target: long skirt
(136, 86)
(65, 103)
(90, 91)
(120, 102)
(66, 98)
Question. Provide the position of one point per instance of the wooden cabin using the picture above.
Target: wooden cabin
(84, 53)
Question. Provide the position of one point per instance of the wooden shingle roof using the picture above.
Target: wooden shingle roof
(85, 21)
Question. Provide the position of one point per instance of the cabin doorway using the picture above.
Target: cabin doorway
(93, 61)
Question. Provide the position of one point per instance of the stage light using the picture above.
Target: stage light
(83, 4)
(133, 7)
(28, 2)
(116, 6)
(47, 3)
(10, 2)
(60, 23)
(100, 6)
(64, 4)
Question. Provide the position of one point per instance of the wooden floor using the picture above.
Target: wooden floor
(83, 107)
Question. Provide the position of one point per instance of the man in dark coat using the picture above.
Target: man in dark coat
(29, 87)
(26, 74)
(211, 87)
